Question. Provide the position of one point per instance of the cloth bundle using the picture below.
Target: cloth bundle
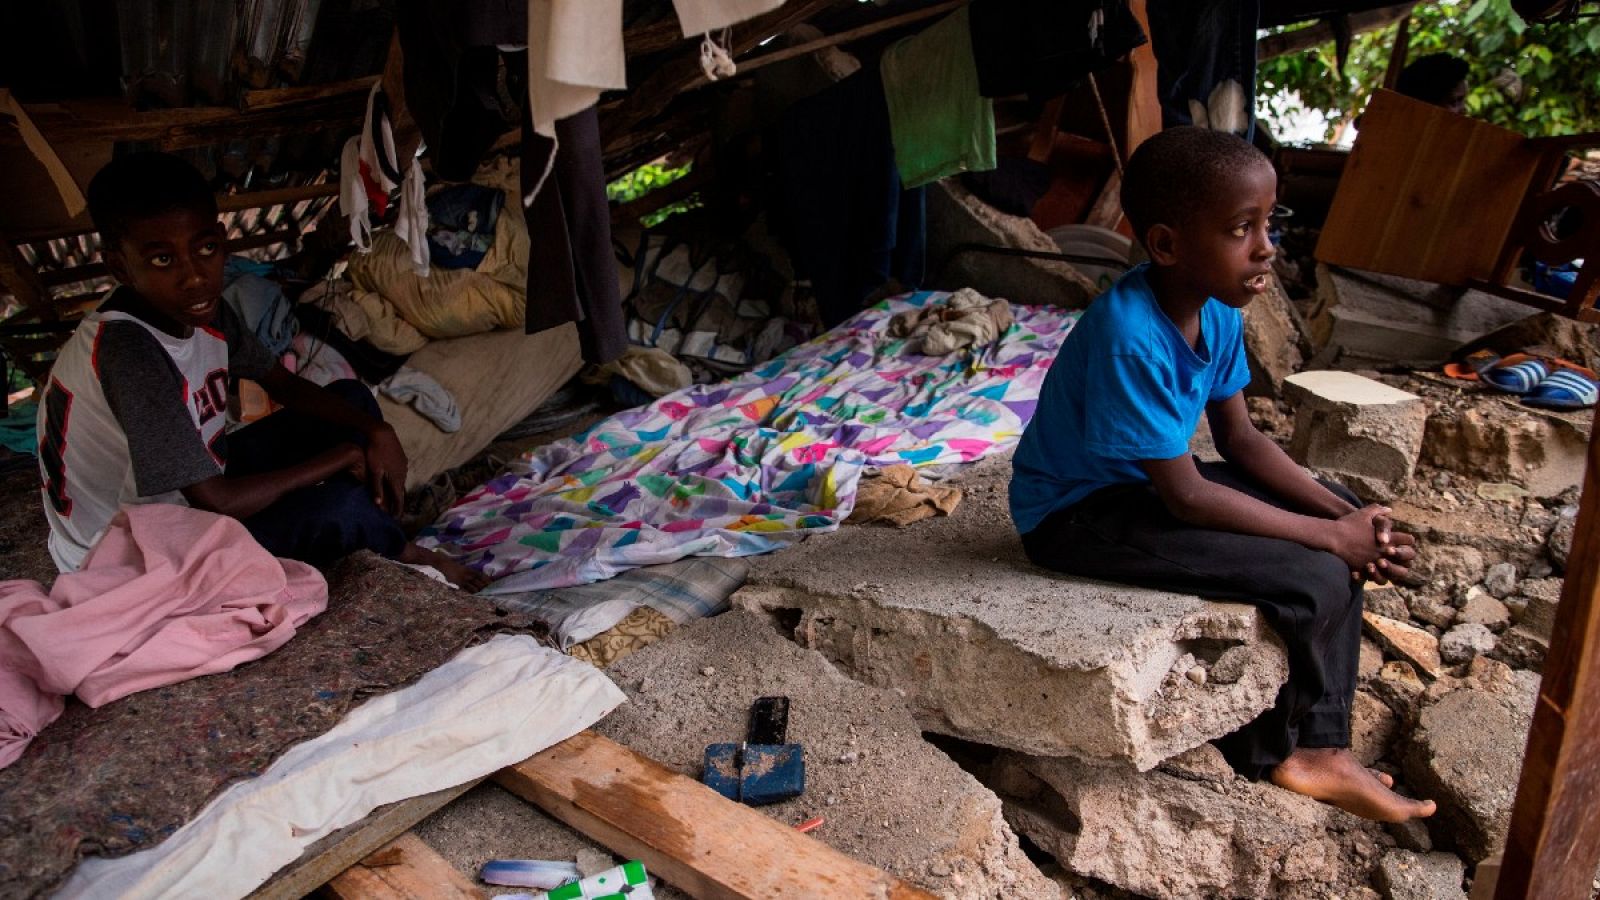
(968, 319)
(168, 594)
(899, 497)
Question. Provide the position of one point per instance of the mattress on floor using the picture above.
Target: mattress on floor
(497, 379)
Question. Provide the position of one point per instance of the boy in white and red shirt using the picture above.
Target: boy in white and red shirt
(136, 406)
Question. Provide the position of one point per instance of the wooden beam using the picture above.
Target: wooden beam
(845, 37)
(98, 121)
(1321, 32)
(270, 97)
(686, 833)
(419, 874)
(1554, 841)
(337, 852)
(649, 99)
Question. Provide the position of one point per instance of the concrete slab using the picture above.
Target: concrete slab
(889, 797)
(1357, 430)
(1189, 829)
(986, 647)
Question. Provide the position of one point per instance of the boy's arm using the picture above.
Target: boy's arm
(1189, 496)
(244, 496)
(1240, 443)
(384, 460)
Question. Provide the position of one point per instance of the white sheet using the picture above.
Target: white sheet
(491, 706)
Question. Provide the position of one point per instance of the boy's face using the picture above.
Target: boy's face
(1222, 248)
(174, 260)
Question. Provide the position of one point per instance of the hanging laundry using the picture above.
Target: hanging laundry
(168, 594)
(845, 219)
(461, 220)
(412, 225)
(941, 125)
(427, 396)
(1206, 62)
(369, 171)
(1042, 47)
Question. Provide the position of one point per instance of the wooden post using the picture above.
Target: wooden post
(1397, 54)
(1554, 841)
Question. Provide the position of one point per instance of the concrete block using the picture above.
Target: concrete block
(1356, 430)
(1498, 440)
(889, 797)
(1403, 875)
(986, 647)
(1162, 835)
(957, 217)
(1466, 752)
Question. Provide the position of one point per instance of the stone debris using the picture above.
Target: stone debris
(1515, 451)
(1373, 728)
(1481, 608)
(900, 804)
(956, 216)
(1181, 833)
(1540, 598)
(1404, 875)
(1400, 688)
(1559, 544)
(1501, 580)
(988, 648)
(1405, 641)
(1464, 642)
(1271, 341)
(1360, 432)
(1466, 752)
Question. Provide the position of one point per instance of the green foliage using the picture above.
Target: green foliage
(645, 179)
(1555, 66)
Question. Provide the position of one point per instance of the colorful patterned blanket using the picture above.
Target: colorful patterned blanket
(747, 465)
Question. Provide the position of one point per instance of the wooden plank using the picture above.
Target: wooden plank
(420, 874)
(1322, 32)
(651, 98)
(325, 859)
(845, 37)
(686, 833)
(99, 121)
(1107, 209)
(270, 97)
(1554, 841)
(1427, 193)
(1144, 103)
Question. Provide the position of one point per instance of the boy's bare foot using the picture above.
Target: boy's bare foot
(1336, 777)
(469, 580)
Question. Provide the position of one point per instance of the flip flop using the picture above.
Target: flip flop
(1471, 366)
(1518, 373)
(1567, 387)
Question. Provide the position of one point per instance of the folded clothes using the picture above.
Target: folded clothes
(967, 319)
(169, 593)
(427, 396)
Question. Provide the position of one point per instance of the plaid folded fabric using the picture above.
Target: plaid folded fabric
(683, 591)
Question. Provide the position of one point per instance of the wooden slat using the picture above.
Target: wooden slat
(420, 874)
(1144, 102)
(270, 97)
(97, 121)
(1322, 32)
(325, 859)
(1427, 194)
(686, 833)
(1554, 841)
(845, 37)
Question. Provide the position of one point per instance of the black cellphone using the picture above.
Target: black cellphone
(769, 721)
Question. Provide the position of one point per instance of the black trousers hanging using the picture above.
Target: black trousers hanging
(1125, 534)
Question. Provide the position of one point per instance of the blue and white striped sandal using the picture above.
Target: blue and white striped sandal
(1517, 374)
(1568, 387)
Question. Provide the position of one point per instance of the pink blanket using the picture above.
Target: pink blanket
(169, 593)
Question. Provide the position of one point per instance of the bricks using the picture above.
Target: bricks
(1360, 432)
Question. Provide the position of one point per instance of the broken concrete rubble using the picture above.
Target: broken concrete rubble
(1373, 728)
(1405, 641)
(889, 797)
(1466, 752)
(956, 217)
(1271, 341)
(1496, 440)
(986, 647)
(1403, 875)
(1478, 607)
(1501, 580)
(1167, 835)
(1464, 642)
(1358, 431)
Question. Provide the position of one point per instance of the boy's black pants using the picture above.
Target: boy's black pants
(1124, 533)
(324, 522)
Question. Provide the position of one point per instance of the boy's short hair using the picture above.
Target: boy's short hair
(141, 185)
(1180, 170)
(1432, 78)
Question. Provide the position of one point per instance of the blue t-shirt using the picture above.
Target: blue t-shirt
(1125, 387)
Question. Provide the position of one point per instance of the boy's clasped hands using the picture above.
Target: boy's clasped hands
(1367, 542)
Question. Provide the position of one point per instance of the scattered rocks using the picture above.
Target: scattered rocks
(1271, 341)
(1466, 752)
(1407, 642)
(1169, 836)
(1513, 450)
(1559, 543)
(1359, 431)
(1400, 688)
(1480, 608)
(1373, 728)
(1450, 568)
(1412, 834)
(1427, 608)
(1540, 598)
(1403, 875)
(1501, 580)
(1464, 642)
(1371, 660)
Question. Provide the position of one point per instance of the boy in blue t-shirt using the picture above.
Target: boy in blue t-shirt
(1104, 485)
